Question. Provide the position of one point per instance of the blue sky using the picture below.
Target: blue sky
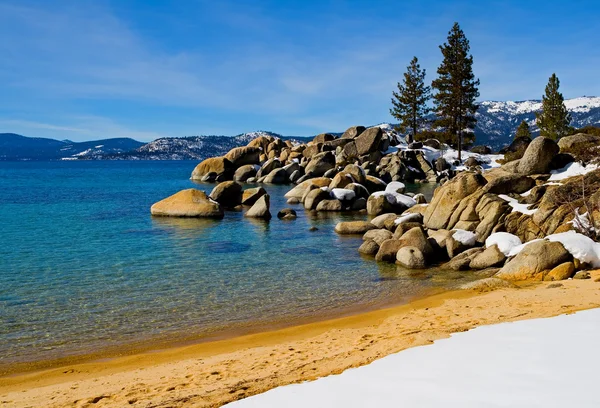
(89, 69)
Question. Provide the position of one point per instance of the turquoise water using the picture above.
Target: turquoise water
(84, 267)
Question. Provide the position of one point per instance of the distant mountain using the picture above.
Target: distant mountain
(497, 121)
(17, 147)
(496, 126)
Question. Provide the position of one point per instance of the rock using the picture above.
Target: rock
(359, 204)
(240, 156)
(353, 227)
(323, 137)
(359, 190)
(441, 165)
(447, 198)
(513, 183)
(578, 143)
(538, 156)
(411, 258)
(227, 193)
(268, 167)
(403, 228)
(516, 149)
(582, 275)
(251, 195)
(218, 165)
(260, 209)
(292, 168)
(295, 176)
(244, 173)
(313, 229)
(377, 235)
(462, 262)
(357, 173)
(329, 205)
(293, 200)
(534, 261)
(440, 237)
(302, 188)
(561, 272)
(277, 176)
(481, 149)
(490, 257)
(417, 238)
(187, 203)
(380, 220)
(395, 187)
(320, 163)
(209, 177)
(488, 284)
(341, 180)
(374, 184)
(420, 198)
(312, 150)
(388, 250)
(369, 247)
(353, 132)
(415, 145)
(287, 214)
(368, 141)
(472, 162)
(554, 286)
(314, 197)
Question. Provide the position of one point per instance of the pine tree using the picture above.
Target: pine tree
(554, 118)
(523, 130)
(456, 88)
(410, 102)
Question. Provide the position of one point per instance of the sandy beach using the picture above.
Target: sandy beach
(213, 374)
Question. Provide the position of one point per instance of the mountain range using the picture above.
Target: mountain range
(496, 125)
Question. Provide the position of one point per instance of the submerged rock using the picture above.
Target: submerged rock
(187, 203)
(287, 214)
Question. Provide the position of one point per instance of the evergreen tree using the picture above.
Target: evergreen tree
(456, 88)
(554, 118)
(523, 130)
(409, 104)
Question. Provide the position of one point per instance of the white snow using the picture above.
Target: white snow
(541, 363)
(396, 198)
(395, 187)
(467, 238)
(516, 207)
(581, 247)
(410, 217)
(571, 170)
(582, 221)
(98, 147)
(505, 241)
(343, 194)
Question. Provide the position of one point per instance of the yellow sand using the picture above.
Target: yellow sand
(212, 374)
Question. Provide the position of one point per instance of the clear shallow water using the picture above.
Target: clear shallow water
(83, 265)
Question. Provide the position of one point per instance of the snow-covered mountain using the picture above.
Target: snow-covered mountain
(498, 121)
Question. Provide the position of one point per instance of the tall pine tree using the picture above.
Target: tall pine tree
(523, 130)
(409, 104)
(554, 118)
(456, 88)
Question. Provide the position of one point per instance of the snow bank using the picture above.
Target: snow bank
(395, 187)
(343, 194)
(516, 207)
(505, 241)
(407, 218)
(396, 198)
(467, 238)
(571, 170)
(581, 247)
(505, 365)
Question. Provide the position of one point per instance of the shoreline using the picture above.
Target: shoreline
(214, 373)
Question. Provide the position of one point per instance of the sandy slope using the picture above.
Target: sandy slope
(212, 374)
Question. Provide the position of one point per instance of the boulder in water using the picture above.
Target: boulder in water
(187, 203)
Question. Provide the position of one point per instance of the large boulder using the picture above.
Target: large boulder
(227, 193)
(218, 165)
(447, 198)
(577, 143)
(240, 156)
(417, 238)
(535, 261)
(369, 247)
(490, 257)
(329, 205)
(513, 183)
(386, 202)
(187, 203)
(357, 173)
(368, 141)
(411, 258)
(320, 163)
(341, 180)
(481, 149)
(268, 167)
(323, 137)
(314, 197)
(377, 235)
(353, 227)
(374, 184)
(260, 209)
(538, 156)
(302, 188)
(276, 176)
(243, 173)
(353, 132)
(516, 149)
(388, 250)
(561, 272)
(251, 195)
